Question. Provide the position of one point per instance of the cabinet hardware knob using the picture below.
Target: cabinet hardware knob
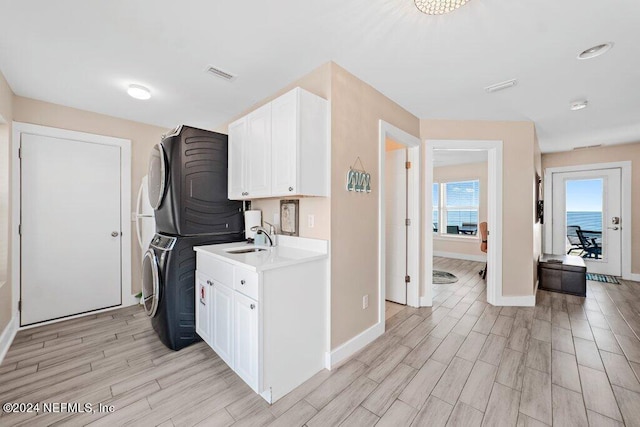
(209, 283)
(252, 306)
(242, 282)
(114, 234)
(290, 188)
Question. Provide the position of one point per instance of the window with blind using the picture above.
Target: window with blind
(456, 211)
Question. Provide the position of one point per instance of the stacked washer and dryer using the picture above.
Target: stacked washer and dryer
(188, 192)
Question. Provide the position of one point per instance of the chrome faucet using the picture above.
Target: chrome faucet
(271, 234)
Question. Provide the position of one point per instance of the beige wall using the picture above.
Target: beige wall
(606, 154)
(465, 172)
(143, 137)
(349, 220)
(317, 82)
(356, 109)
(518, 195)
(6, 115)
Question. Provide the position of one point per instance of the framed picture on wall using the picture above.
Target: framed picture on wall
(289, 214)
(539, 202)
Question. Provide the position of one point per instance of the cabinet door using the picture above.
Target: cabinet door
(237, 159)
(284, 144)
(222, 328)
(258, 153)
(203, 308)
(246, 339)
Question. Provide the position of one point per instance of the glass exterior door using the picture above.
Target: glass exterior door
(586, 218)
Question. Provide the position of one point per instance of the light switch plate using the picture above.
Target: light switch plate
(311, 221)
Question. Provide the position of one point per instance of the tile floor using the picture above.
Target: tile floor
(568, 361)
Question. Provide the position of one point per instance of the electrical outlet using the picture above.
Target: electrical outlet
(365, 302)
(311, 221)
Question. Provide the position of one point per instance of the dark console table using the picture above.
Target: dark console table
(563, 273)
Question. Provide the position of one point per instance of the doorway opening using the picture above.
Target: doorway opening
(463, 190)
(459, 200)
(399, 223)
(587, 216)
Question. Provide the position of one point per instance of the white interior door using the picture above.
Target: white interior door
(71, 227)
(396, 228)
(591, 200)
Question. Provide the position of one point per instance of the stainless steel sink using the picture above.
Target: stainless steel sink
(245, 251)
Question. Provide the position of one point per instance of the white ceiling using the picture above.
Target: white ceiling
(84, 53)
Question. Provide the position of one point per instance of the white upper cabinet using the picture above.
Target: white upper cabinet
(237, 159)
(258, 152)
(281, 149)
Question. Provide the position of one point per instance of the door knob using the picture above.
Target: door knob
(114, 234)
(613, 228)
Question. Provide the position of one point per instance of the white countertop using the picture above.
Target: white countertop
(290, 251)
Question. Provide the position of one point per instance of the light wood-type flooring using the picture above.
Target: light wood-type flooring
(568, 361)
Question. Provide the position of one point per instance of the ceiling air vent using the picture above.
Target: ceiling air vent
(584, 147)
(220, 73)
(501, 86)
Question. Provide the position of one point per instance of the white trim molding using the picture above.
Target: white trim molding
(517, 301)
(465, 257)
(413, 145)
(494, 212)
(125, 204)
(355, 344)
(626, 198)
(7, 336)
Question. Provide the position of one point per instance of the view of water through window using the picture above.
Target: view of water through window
(584, 204)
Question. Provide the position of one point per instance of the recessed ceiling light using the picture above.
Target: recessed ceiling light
(501, 86)
(594, 51)
(139, 92)
(578, 105)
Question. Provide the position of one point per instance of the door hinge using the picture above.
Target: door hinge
(407, 279)
(407, 165)
(407, 222)
(19, 152)
(19, 229)
(20, 305)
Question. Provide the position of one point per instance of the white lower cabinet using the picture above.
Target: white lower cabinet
(222, 322)
(245, 350)
(270, 326)
(203, 311)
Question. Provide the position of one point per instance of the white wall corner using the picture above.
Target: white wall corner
(356, 344)
(7, 336)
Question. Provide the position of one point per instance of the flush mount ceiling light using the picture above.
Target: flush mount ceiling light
(578, 105)
(438, 7)
(139, 92)
(594, 51)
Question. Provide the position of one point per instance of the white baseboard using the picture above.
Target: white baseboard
(633, 276)
(7, 336)
(466, 257)
(131, 300)
(355, 344)
(424, 302)
(520, 301)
